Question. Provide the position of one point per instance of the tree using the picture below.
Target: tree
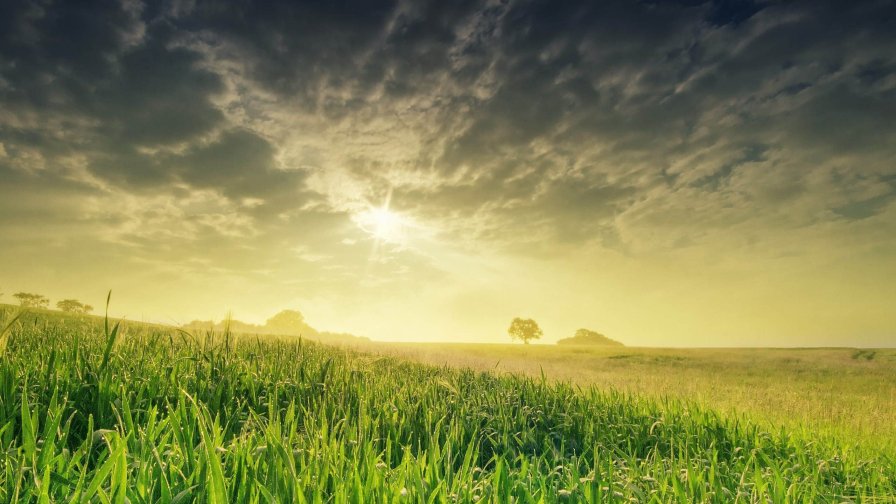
(28, 300)
(73, 306)
(524, 330)
(289, 322)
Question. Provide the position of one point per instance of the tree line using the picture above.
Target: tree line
(32, 300)
(286, 323)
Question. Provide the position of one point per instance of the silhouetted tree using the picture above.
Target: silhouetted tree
(289, 322)
(524, 330)
(73, 306)
(28, 300)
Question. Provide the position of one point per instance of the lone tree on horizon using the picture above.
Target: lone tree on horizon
(524, 330)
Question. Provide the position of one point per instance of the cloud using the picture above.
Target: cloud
(563, 109)
(530, 129)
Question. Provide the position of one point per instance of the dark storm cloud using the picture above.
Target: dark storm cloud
(112, 85)
(293, 47)
(550, 117)
(159, 95)
(94, 79)
(241, 164)
(650, 83)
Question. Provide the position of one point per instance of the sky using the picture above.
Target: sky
(678, 173)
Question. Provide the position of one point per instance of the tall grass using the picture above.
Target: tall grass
(93, 413)
(827, 391)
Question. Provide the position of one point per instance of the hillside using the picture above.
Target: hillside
(145, 414)
(292, 326)
(841, 392)
(587, 337)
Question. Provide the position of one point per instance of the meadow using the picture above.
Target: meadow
(96, 411)
(846, 393)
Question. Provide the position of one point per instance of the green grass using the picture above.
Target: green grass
(149, 414)
(840, 392)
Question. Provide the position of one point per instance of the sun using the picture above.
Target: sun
(383, 224)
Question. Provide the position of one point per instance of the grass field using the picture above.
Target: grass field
(843, 392)
(91, 412)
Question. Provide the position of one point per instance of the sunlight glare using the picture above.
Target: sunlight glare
(383, 224)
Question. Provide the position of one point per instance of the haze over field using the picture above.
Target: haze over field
(666, 173)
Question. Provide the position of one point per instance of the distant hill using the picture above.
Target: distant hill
(588, 337)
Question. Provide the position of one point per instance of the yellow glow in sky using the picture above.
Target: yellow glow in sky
(423, 174)
(383, 224)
